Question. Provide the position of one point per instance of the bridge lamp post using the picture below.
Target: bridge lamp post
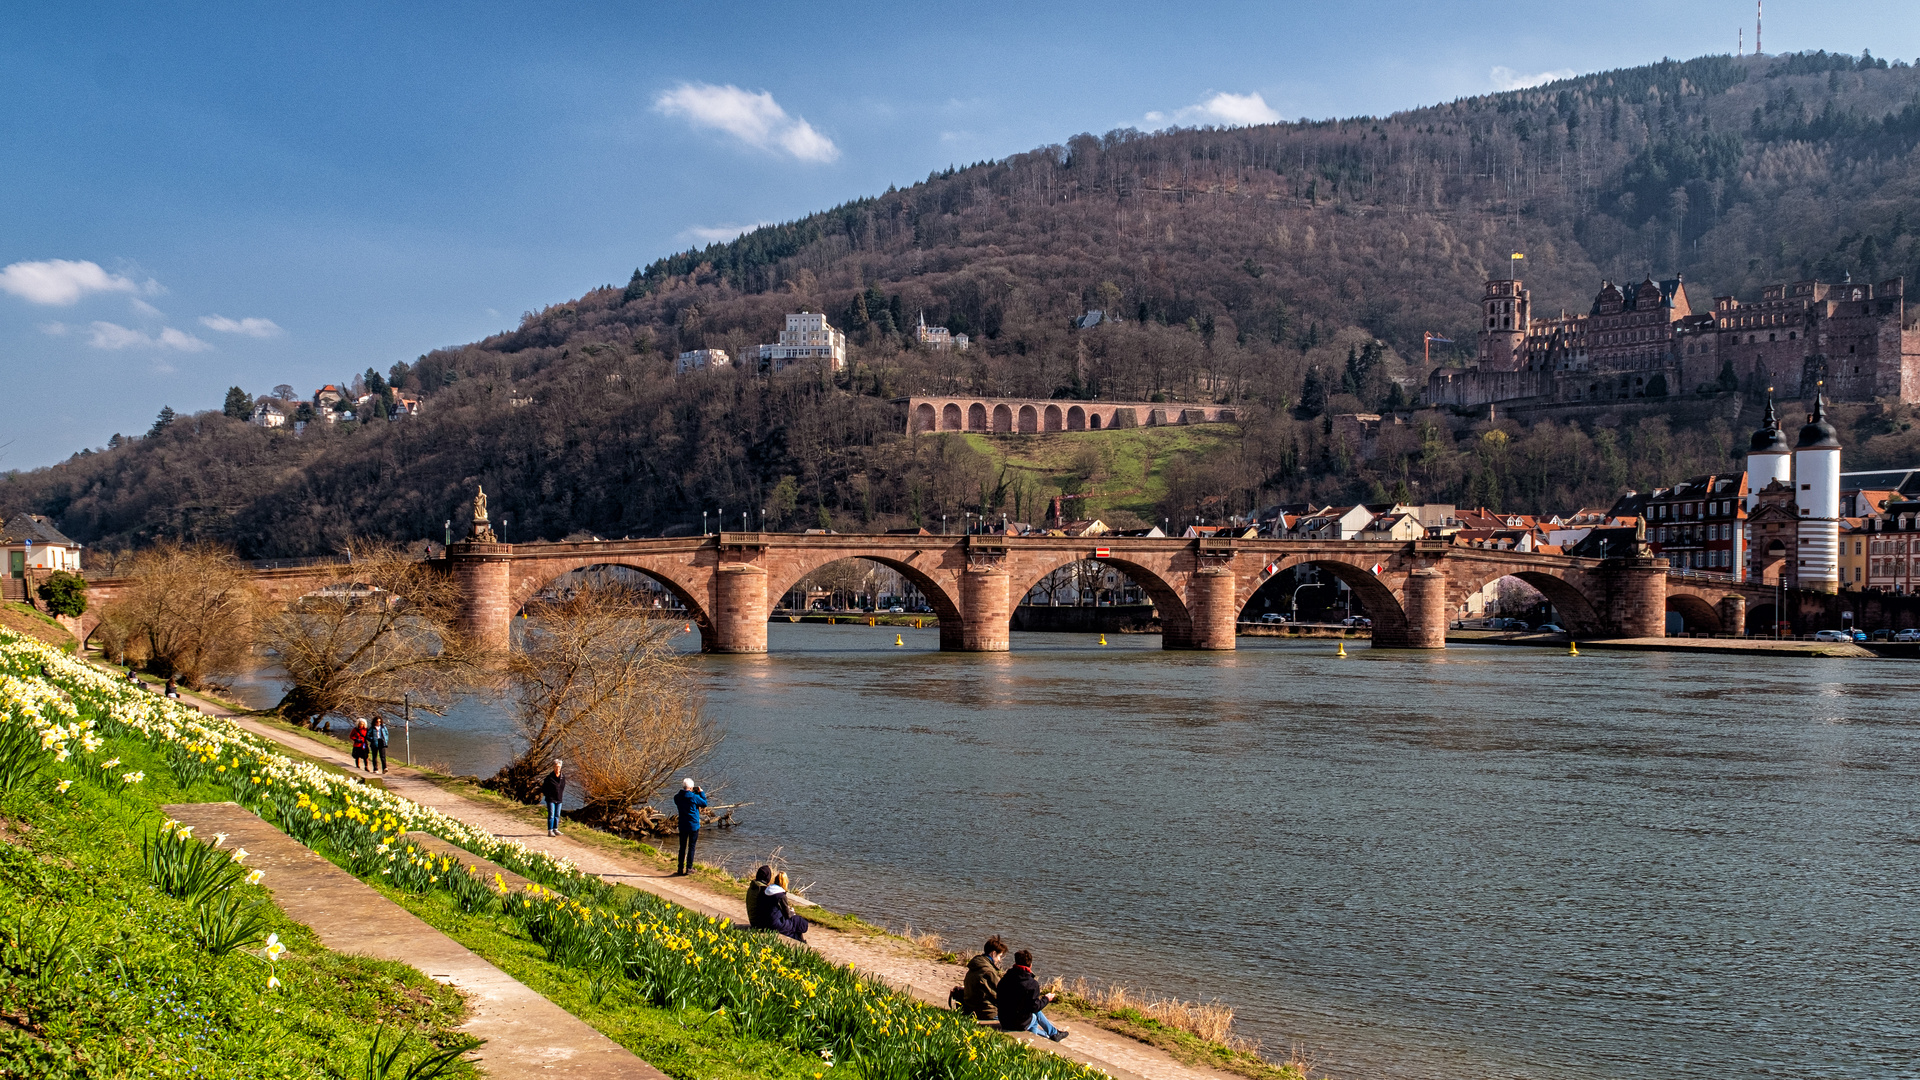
(703, 523)
(943, 524)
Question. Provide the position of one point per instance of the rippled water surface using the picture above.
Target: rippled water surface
(1483, 862)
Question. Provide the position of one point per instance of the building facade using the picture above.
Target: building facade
(1848, 341)
(701, 360)
(808, 339)
(1700, 524)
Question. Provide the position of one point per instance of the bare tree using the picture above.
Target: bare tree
(187, 614)
(380, 633)
(602, 686)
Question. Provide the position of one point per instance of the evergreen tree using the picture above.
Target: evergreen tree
(1313, 393)
(239, 405)
(1728, 380)
(636, 287)
(162, 422)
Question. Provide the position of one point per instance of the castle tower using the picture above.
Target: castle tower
(1504, 313)
(1816, 478)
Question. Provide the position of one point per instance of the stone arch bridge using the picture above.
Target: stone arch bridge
(728, 582)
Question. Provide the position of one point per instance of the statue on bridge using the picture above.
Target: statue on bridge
(482, 531)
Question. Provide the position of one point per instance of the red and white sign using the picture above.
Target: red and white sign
(1377, 568)
(1101, 553)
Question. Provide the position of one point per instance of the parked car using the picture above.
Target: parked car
(1883, 635)
(1357, 620)
(896, 609)
(1548, 628)
(1833, 635)
(1859, 635)
(1907, 635)
(1273, 617)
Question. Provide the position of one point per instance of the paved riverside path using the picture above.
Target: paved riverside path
(895, 962)
(526, 1034)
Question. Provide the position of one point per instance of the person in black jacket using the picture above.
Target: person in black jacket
(552, 791)
(757, 898)
(1021, 1000)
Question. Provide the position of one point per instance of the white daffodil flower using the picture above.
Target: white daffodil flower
(64, 785)
(254, 878)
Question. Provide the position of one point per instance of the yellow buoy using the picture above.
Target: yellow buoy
(897, 640)
(871, 621)
(1103, 639)
(1343, 650)
(1573, 648)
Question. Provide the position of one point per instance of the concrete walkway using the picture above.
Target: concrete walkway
(891, 960)
(526, 1034)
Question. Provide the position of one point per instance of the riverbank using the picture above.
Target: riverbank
(1709, 646)
(1130, 1041)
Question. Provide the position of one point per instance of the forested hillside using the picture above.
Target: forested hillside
(1289, 268)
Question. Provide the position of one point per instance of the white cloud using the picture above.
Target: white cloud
(106, 335)
(754, 119)
(1505, 78)
(63, 281)
(144, 308)
(1223, 110)
(260, 328)
(55, 329)
(720, 234)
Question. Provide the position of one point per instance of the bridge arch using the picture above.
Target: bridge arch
(1582, 617)
(923, 417)
(1076, 419)
(939, 597)
(1029, 420)
(1695, 613)
(537, 577)
(950, 417)
(1051, 420)
(1176, 619)
(977, 417)
(1382, 606)
(1003, 418)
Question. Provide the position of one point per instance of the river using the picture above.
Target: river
(1482, 862)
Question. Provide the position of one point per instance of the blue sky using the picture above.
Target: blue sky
(198, 196)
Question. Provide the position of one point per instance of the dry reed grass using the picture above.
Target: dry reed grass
(929, 941)
(1209, 1020)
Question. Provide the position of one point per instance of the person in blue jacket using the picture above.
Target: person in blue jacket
(690, 800)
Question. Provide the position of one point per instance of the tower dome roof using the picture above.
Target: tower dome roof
(1769, 439)
(1818, 434)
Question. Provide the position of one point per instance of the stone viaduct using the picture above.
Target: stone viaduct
(1410, 589)
(1031, 415)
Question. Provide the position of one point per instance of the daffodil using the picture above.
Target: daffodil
(64, 785)
(274, 948)
(273, 982)
(240, 856)
(254, 878)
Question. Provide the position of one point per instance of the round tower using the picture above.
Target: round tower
(1768, 458)
(1816, 477)
(1503, 325)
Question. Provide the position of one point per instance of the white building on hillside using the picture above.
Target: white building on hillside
(938, 338)
(808, 339)
(702, 360)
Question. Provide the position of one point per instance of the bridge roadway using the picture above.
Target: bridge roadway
(728, 582)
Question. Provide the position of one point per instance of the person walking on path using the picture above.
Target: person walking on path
(690, 800)
(377, 745)
(980, 992)
(553, 790)
(360, 744)
(1021, 1000)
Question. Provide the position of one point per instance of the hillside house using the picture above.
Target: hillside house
(808, 339)
(701, 360)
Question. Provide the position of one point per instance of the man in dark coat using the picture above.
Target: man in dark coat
(553, 790)
(757, 898)
(1021, 1000)
(982, 986)
(689, 800)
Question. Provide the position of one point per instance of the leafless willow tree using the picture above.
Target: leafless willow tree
(381, 633)
(187, 614)
(601, 686)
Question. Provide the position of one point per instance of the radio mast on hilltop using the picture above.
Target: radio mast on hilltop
(1757, 13)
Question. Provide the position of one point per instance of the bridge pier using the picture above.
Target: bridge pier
(484, 572)
(1425, 602)
(739, 622)
(1636, 597)
(986, 611)
(1212, 606)
(1733, 614)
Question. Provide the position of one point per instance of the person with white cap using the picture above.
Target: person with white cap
(553, 791)
(689, 800)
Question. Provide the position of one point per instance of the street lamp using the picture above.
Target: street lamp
(703, 523)
(943, 524)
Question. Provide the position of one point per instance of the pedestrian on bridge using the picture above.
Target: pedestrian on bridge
(553, 791)
(689, 800)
